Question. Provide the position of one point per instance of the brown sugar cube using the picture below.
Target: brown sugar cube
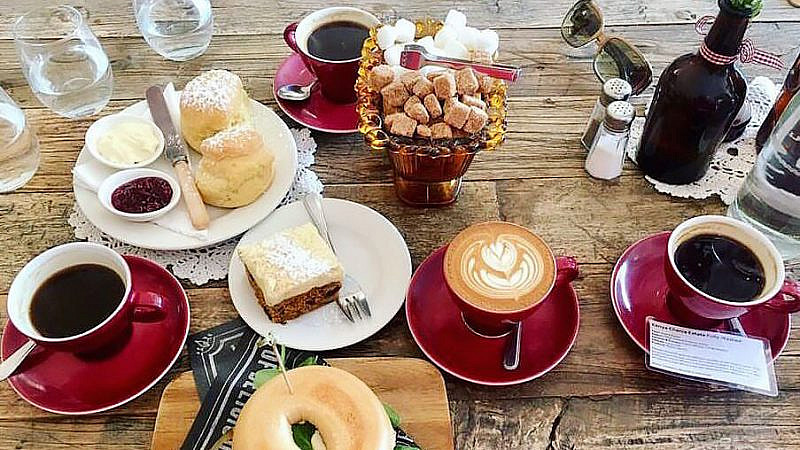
(389, 108)
(402, 125)
(424, 131)
(433, 106)
(476, 121)
(423, 87)
(390, 118)
(435, 73)
(459, 133)
(456, 113)
(466, 82)
(473, 100)
(395, 93)
(487, 84)
(444, 86)
(441, 130)
(413, 100)
(409, 79)
(417, 112)
(380, 76)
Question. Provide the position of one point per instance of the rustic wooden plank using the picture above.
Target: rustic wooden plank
(114, 18)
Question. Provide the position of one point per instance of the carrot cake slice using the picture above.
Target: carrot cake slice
(292, 272)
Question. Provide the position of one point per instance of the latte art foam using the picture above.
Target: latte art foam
(499, 266)
(503, 268)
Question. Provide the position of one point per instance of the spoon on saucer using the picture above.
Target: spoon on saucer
(511, 353)
(296, 92)
(10, 364)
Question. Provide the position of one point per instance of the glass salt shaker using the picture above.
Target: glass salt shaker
(607, 153)
(614, 89)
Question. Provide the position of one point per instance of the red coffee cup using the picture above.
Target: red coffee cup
(336, 79)
(694, 307)
(133, 306)
(497, 322)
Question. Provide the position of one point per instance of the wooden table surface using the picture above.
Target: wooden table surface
(601, 395)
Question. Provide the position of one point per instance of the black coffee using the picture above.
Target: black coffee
(721, 267)
(337, 41)
(75, 299)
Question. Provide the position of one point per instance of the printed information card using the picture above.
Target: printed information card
(715, 357)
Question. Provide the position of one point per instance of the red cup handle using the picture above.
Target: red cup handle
(291, 40)
(566, 269)
(779, 303)
(148, 307)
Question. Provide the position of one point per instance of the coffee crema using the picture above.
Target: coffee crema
(499, 266)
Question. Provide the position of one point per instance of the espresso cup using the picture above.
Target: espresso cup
(336, 79)
(696, 308)
(500, 273)
(139, 306)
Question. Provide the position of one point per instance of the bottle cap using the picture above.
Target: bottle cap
(619, 115)
(615, 89)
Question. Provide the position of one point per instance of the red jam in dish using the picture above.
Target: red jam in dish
(142, 195)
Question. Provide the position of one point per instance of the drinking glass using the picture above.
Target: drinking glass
(19, 148)
(63, 61)
(179, 30)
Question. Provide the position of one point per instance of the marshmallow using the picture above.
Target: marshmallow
(455, 19)
(430, 69)
(445, 35)
(469, 36)
(488, 41)
(405, 30)
(455, 49)
(392, 55)
(399, 71)
(386, 36)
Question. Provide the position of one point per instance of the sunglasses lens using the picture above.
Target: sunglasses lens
(582, 23)
(618, 59)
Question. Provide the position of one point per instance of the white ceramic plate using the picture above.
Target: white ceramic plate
(371, 250)
(225, 223)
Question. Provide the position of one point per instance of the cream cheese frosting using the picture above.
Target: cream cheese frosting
(291, 263)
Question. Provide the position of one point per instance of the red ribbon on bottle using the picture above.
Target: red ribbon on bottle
(748, 53)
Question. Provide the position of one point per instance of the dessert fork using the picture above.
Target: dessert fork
(352, 300)
(415, 56)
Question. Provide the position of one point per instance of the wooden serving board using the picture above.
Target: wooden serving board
(413, 387)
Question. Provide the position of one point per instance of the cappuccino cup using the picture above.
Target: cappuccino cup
(500, 273)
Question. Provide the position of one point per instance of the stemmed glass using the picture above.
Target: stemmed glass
(19, 148)
(179, 30)
(63, 61)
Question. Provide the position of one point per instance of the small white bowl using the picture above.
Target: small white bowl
(110, 184)
(102, 126)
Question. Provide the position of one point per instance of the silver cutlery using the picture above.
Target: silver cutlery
(10, 364)
(511, 353)
(352, 300)
(296, 92)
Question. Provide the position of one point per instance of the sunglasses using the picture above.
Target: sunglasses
(616, 57)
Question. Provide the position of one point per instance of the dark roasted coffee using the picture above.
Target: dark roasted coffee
(75, 299)
(721, 267)
(337, 41)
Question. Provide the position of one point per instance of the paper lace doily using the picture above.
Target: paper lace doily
(210, 263)
(732, 161)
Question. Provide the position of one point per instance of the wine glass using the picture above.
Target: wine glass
(19, 148)
(178, 30)
(63, 61)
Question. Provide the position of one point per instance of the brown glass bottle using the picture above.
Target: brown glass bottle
(790, 87)
(694, 104)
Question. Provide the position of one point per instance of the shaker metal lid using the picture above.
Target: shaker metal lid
(619, 115)
(615, 89)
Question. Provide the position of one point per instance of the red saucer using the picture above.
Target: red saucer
(316, 112)
(639, 290)
(63, 383)
(437, 326)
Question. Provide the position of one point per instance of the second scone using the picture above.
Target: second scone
(235, 169)
(211, 102)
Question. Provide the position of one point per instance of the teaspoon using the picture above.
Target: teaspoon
(295, 92)
(10, 364)
(511, 353)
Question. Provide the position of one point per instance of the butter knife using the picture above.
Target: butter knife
(176, 153)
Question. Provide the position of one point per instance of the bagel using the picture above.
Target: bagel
(345, 411)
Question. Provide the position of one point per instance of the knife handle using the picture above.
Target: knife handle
(194, 203)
